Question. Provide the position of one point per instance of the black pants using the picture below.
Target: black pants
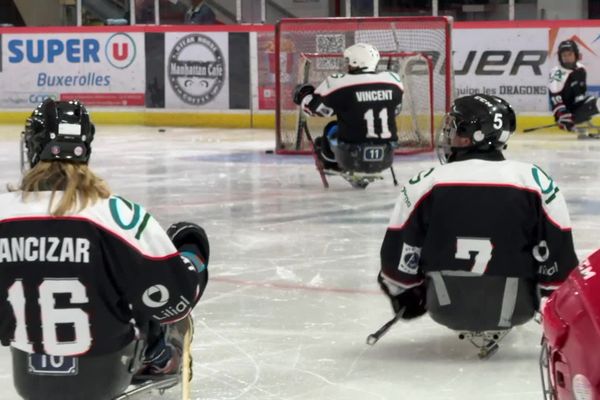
(584, 110)
(98, 377)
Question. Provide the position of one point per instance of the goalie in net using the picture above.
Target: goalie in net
(365, 103)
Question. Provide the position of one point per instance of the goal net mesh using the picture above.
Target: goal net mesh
(418, 48)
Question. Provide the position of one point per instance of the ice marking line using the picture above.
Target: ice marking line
(282, 285)
(252, 360)
(344, 386)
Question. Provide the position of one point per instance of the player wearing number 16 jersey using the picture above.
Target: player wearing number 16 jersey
(474, 242)
(82, 270)
(364, 101)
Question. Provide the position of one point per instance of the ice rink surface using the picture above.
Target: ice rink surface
(292, 292)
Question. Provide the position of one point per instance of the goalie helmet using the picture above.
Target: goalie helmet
(361, 57)
(571, 323)
(568, 45)
(488, 121)
(57, 130)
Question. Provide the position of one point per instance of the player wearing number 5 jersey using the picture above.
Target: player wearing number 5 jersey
(474, 242)
(83, 270)
(364, 101)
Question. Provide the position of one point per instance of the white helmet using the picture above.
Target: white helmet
(362, 56)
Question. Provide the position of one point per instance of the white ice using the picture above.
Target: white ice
(292, 292)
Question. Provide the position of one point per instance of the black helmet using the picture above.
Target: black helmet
(568, 45)
(488, 121)
(58, 130)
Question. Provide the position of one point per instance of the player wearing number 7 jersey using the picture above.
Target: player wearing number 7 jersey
(82, 271)
(476, 241)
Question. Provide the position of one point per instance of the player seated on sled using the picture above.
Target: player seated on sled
(90, 280)
(476, 241)
(365, 103)
(570, 102)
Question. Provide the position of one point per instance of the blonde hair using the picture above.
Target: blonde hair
(79, 184)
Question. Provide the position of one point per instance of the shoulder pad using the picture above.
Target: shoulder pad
(558, 78)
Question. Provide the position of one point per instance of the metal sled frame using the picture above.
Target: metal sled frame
(356, 179)
(161, 384)
(588, 129)
(485, 341)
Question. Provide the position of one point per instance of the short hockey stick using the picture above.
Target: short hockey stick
(374, 337)
(305, 66)
(186, 363)
(539, 127)
(393, 175)
(318, 162)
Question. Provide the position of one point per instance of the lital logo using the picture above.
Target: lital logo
(156, 296)
(196, 69)
(120, 50)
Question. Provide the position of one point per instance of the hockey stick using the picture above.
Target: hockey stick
(393, 175)
(318, 162)
(539, 127)
(186, 367)
(374, 337)
(301, 117)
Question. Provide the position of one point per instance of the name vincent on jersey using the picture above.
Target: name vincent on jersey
(374, 95)
(44, 249)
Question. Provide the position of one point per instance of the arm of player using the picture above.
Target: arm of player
(400, 277)
(311, 101)
(157, 281)
(555, 251)
(562, 115)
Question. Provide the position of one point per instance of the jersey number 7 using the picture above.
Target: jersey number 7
(482, 248)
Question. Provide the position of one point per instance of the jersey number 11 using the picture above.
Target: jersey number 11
(369, 116)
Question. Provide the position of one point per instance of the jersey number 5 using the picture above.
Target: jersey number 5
(482, 249)
(369, 116)
(52, 316)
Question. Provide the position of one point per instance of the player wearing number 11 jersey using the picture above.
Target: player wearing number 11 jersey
(476, 241)
(364, 101)
(83, 273)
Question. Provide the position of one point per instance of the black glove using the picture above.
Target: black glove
(564, 119)
(301, 91)
(413, 300)
(187, 236)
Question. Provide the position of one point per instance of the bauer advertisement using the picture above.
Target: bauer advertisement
(196, 70)
(100, 69)
(515, 63)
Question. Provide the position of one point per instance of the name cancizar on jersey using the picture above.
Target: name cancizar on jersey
(44, 249)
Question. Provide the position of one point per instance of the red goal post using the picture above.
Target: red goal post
(320, 43)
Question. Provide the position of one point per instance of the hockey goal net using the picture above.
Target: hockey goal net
(418, 48)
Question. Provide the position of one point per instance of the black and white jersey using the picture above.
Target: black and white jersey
(567, 86)
(72, 285)
(479, 217)
(365, 104)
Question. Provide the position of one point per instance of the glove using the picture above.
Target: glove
(564, 119)
(187, 236)
(413, 300)
(301, 91)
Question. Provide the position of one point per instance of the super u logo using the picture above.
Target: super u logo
(120, 50)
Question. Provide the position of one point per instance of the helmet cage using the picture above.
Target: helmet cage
(445, 137)
(568, 45)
